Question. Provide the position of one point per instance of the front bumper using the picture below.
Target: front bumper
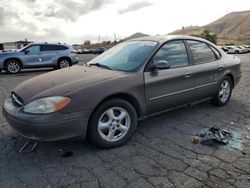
(48, 127)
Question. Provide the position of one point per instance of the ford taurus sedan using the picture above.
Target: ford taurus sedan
(104, 99)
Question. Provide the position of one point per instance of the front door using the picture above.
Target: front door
(171, 87)
(32, 56)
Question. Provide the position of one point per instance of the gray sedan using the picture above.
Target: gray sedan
(105, 98)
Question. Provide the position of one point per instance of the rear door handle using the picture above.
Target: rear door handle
(188, 75)
(220, 67)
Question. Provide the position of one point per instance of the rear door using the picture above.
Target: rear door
(170, 87)
(49, 54)
(206, 68)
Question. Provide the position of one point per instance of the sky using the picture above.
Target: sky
(74, 21)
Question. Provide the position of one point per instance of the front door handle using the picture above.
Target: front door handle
(220, 67)
(188, 75)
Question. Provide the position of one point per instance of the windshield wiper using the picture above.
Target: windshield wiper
(100, 65)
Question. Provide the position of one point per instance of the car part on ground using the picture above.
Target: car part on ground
(215, 135)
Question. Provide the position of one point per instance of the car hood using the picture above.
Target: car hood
(63, 82)
(3, 54)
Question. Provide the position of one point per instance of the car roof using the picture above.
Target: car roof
(45, 43)
(165, 38)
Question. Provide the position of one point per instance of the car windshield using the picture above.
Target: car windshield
(127, 56)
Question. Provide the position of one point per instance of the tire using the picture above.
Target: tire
(64, 63)
(237, 52)
(112, 124)
(12, 66)
(224, 92)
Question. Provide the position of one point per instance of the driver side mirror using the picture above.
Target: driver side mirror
(160, 65)
(26, 52)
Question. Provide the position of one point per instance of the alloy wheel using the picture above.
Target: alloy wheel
(114, 124)
(13, 67)
(64, 64)
(224, 92)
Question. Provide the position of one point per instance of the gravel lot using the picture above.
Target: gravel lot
(161, 153)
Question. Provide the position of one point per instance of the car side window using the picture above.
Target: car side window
(33, 49)
(51, 47)
(62, 48)
(174, 53)
(201, 52)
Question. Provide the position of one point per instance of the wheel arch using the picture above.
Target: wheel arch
(64, 57)
(13, 58)
(125, 96)
(230, 75)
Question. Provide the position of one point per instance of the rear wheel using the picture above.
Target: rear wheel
(12, 66)
(64, 63)
(224, 92)
(112, 124)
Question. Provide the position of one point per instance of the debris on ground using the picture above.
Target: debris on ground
(213, 136)
(244, 153)
(67, 154)
(26, 144)
(196, 139)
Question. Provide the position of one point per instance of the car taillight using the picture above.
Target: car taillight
(74, 52)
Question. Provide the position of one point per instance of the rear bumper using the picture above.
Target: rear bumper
(1, 64)
(49, 127)
(237, 79)
(75, 60)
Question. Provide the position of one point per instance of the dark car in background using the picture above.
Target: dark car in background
(100, 50)
(38, 55)
(133, 80)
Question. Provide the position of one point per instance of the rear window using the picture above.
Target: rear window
(201, 52)
(217, 53)
(63, 48)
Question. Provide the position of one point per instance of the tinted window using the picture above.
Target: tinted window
(201, 52)
(63, 47)
(53, 47)
(33, 49)
(174, 53)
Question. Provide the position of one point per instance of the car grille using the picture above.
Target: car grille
(16, 99)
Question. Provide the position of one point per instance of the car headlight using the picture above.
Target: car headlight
(46, 105)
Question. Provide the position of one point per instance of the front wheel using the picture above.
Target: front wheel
(112, 124)
(13, 66)
(224, 92)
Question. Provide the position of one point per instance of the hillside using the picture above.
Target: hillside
(136, 35)
(234, 26)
